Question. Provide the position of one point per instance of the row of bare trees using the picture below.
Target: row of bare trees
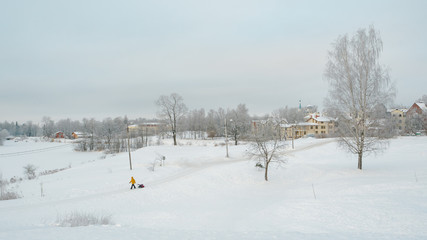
(200, 124)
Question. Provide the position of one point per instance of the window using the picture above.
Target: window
(317, 128)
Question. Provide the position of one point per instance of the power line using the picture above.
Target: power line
(13, 154)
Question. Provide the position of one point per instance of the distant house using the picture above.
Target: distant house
(399, 117)
(417, 118)
(77, 135)
(59, 135)
(314, 125)
(298, 130)
(419, 107)
(147, 128)
(325, 125)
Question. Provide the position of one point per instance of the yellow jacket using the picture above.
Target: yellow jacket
(132, 180)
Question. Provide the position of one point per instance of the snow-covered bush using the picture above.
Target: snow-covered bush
(7, 195)
(30, 171)
(77, 219)
(4, 193)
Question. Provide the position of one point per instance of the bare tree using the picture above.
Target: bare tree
(172, 108)
(3, 134)
(423, 99)
(416, 122)
(358, 83)
(29, 129)
(211, 126)
(48, 127)
(266, 146)
(195, 123)
(65, 126)
(294, 114)
(90, 127)
(239, 122)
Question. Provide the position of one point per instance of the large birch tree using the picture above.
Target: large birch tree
(358, 83)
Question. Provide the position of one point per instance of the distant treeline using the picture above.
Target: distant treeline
(111, 134)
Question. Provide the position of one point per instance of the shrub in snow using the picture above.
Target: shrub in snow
(4, 193)
(15, 179)
(76, 219)
(30, 171)
(7, 195)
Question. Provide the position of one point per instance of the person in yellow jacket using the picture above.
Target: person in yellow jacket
(132, 180)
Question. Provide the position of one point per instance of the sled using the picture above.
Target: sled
(141, 186)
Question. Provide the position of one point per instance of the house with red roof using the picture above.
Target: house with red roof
(418, 107)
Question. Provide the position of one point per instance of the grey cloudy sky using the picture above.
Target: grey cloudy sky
(75, 59)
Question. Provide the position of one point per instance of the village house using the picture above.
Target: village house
(418, 111)
(77, 135)
(147, 128)
(315, 125)
(399, 117)
(419, 107)
(59, 135)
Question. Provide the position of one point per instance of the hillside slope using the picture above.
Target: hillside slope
(200, 194)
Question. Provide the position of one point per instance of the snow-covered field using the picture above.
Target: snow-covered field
(200, 194)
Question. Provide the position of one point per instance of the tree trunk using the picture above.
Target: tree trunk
(266, 172)
(174, 138)
(361, 149)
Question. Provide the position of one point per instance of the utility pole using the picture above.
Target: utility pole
(130, 159)
(226, 137)
(293, 136)
(146, 137)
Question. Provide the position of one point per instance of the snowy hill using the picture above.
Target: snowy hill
(200, 194)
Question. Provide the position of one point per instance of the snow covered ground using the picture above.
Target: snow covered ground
(200, 194)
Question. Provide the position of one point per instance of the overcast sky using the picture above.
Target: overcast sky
(76, 59)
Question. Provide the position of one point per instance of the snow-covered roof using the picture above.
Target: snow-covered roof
(319, 117)
(81, 134)
(298, 124)
(422, 105)
(151, 124)
(404, 110)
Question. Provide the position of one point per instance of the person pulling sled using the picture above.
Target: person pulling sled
(132, 180)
